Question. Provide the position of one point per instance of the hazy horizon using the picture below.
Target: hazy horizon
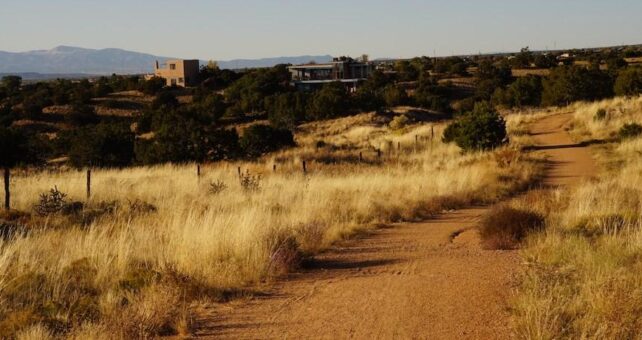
(221, 30)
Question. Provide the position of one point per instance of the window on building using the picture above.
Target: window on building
(173, 82)
(172, 66)
(181, 80)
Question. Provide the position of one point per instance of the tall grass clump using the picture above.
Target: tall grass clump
(505, 227)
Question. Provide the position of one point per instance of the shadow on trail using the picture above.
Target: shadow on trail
(566, 146)
(340, 264)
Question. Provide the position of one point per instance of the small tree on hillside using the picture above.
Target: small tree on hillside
(165, 100)
(286, 110)
(329, 102)
(567, 84)
(103, 145)
(394, 96)
(82, 114)
(525, 91)
(260, 139)
(629, 82)
(152, 86)
(481, 129)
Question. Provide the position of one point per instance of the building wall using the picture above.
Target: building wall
(178, 72)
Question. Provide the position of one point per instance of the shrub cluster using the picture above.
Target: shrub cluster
(481, 129)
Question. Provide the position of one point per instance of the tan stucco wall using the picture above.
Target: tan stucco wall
(184, 72)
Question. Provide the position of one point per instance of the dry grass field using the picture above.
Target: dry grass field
(152, 242)
(583, 272)
(523, 72)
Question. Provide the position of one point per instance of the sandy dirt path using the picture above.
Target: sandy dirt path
(428, 280)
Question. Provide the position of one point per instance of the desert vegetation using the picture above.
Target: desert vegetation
(206, 193)
(153, 241)
(582, 274)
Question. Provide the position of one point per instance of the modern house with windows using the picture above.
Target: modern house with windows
(345, 70)
(181, 73)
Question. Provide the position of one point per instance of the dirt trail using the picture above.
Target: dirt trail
(569, 162)
(413, 280)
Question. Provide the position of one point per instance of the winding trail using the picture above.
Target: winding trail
(413, 280)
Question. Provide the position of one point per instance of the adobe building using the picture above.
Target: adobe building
(181, 73)
(345, 70)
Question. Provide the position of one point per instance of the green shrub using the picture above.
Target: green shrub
(260, 139)
(152, 86)
(103, 145)
(568, 84)
(287, 110)
(329, 102)
(432, 96)
(165, 100)
(481, 129)
(82, 114)
(629, 82)
(525, 91)
(394, 95)
(179, 140)
(631, 130)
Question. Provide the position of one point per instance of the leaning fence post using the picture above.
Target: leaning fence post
(7, 193)
(88, 183)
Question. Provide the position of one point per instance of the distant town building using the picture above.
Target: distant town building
(178, 72)
(345, 70)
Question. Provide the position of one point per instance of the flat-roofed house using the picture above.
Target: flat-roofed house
(345, 70)
(178, 72)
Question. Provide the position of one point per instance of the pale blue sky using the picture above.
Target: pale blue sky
(219, 29)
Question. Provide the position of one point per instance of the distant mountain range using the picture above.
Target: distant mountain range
(66, 60)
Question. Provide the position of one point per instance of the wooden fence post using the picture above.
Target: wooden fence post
(274, 167)
(416, 142)
(378, 153)
(398, 146)
(305, 169)
(239, 171)
(7, 194)
(88, 183)
(360, 156)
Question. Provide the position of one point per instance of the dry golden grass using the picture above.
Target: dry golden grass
(523, 72)
(636, 60)
(138, 271)
(619, 111)
(583, 274)
(518, 123)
